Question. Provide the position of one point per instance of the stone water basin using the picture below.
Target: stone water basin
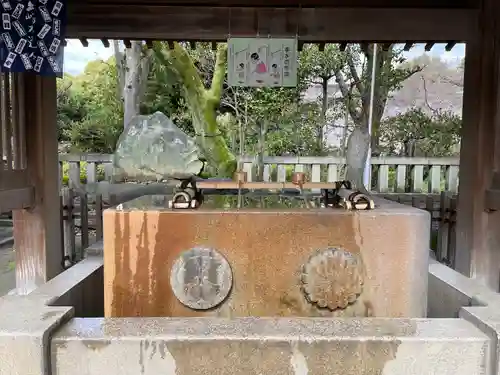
(274, 256)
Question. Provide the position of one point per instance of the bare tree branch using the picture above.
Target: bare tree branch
(413, 71)
(458, 83)
(344, 89)
(426, 97)
(64, 90)
(347, 95)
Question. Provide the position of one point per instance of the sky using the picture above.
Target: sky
(76, 56)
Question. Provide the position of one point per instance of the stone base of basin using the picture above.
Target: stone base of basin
(265, 262)
(269, 346)
(40, 336)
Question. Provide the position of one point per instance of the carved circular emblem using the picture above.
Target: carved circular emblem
(333, 278)
(201, 278)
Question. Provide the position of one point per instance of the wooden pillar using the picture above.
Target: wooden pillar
(37, 231)
(478, 227)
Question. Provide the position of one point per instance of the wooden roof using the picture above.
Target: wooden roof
(445, 4)
(310, 21)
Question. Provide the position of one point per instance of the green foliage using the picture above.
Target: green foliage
(83, 173)
(90, 109)
(316, 65)
(70, 108)
(416, 133)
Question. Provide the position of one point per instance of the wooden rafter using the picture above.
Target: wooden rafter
(308, 24)
(105, 42)
(429, 45)
(408, 46)
(201, 4)
(386, 46)
(342, 46)
(449, 46)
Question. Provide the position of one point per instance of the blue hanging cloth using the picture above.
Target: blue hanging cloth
(32, 38)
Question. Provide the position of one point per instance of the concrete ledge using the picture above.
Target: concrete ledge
(68, 280)
(269, 346)
(96, 249)
(467, 288)
(28, 322)
(466, 345)
(453, 293)
(25, 328)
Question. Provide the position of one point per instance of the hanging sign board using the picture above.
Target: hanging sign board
(32, 36)
(262, 62)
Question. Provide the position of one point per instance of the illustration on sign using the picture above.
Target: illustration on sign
(32, 36)
(262, 62)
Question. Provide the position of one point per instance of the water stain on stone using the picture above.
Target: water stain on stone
(231, 357)
(61, 345)
(152, 351)
(349, 357)
(96, 344)
(141, 355)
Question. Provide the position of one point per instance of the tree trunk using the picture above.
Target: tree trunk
(261, 149)
(133, 69)
(131, 89)
(324, 108)
(359, 111)
(202, 103)
(383, 62)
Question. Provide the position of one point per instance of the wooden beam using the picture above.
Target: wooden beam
(127, 43)
(14, 199)
(428, 46)
(478, 237)
(310, 24)
(84, 42)
(37, 231)
(200, 5)
(342, 47)
(14, 179)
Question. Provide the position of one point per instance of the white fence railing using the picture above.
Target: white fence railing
(389, 174)
(406, 180)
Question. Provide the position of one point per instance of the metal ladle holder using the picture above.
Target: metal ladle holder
(334, 195)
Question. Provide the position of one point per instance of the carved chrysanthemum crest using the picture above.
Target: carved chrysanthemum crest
(333, 278)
